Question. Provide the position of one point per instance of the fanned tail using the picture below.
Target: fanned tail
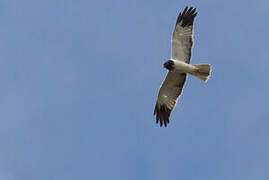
(203, 71)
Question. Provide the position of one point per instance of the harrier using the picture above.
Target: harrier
(179, 66)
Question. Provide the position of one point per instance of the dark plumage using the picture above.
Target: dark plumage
(162, 115)
(187, 16)
(169, 65)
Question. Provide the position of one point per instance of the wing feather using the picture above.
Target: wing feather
(169, 92)
(182, 38)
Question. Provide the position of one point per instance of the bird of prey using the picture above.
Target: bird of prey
(179, 66)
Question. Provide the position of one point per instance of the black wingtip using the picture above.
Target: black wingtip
(187, 16)
(162, 115)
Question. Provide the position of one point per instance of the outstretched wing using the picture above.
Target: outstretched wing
(172, 86)
(182, 38)
(168, 95)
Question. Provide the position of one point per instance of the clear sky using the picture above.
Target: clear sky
(79, 80)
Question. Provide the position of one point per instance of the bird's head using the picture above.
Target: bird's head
(170, 65)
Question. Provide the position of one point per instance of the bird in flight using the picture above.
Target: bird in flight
(179, 66)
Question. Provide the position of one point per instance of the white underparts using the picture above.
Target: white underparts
(183, 67)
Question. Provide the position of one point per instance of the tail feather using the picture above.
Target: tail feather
(203, 71)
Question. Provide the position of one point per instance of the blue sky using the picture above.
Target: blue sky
(79, 81)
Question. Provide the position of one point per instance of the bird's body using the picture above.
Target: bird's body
(179, 66)
(183, 67)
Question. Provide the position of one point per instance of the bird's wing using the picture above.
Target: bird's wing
(169, 92)
(183, 35)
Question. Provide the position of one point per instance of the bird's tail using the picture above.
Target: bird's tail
(202, 71)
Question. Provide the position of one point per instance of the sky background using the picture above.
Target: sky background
(79, 80)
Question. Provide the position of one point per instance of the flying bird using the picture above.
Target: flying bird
(179, 66)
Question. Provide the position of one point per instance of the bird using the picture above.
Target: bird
(178, 66)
